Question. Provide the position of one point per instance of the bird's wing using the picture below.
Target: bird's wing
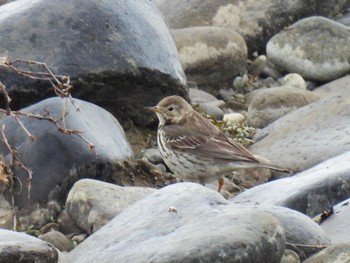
(208, 143)
(222, 147)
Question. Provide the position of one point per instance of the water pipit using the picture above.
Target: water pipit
(194, 149)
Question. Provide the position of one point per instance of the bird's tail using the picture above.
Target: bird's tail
(276, 168)
(265, 164)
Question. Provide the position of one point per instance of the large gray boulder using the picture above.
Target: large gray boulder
(119, 54)
(185, 222)
(57, 159)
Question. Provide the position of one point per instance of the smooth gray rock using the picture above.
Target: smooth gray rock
(211, 56)
(206, 103)
(299, 229)
(200, 96)
(56, 159)
(21, 248)
(255, 21)
(315, 47)
(338, 86)
(92, 203)
(119, 54)
(268, 105)
(332, 254)
(309, 135)
(184, 222)
(310, 192)
(337, 225)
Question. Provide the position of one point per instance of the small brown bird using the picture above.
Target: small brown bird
(194, 149)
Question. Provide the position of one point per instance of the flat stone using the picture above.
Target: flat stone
(310, 192)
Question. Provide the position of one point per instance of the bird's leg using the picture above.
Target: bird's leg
(220, 184)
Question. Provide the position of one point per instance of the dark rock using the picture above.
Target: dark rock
(310, 192)
(256, 21)
(60, 241)
(185, 222)
(67, 225)
(314, 47)
(20, 248)
(56, 159)
(92, 204)
(119, 54)
(139, 172)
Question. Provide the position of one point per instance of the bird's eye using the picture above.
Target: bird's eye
(170, 108)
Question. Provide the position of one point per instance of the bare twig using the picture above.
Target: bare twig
(61, 86)
(20, 123)
(15, 158)
(7, 98)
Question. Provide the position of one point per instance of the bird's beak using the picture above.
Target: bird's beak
(153, 109)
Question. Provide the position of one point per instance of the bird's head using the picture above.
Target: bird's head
(171, 110)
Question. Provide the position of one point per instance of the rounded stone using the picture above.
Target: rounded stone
(316, 48)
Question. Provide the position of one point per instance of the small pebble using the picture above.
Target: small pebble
(234, 117)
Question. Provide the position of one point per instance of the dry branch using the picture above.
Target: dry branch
(61, 86)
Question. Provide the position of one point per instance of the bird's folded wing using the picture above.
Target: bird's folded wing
(215, 146)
